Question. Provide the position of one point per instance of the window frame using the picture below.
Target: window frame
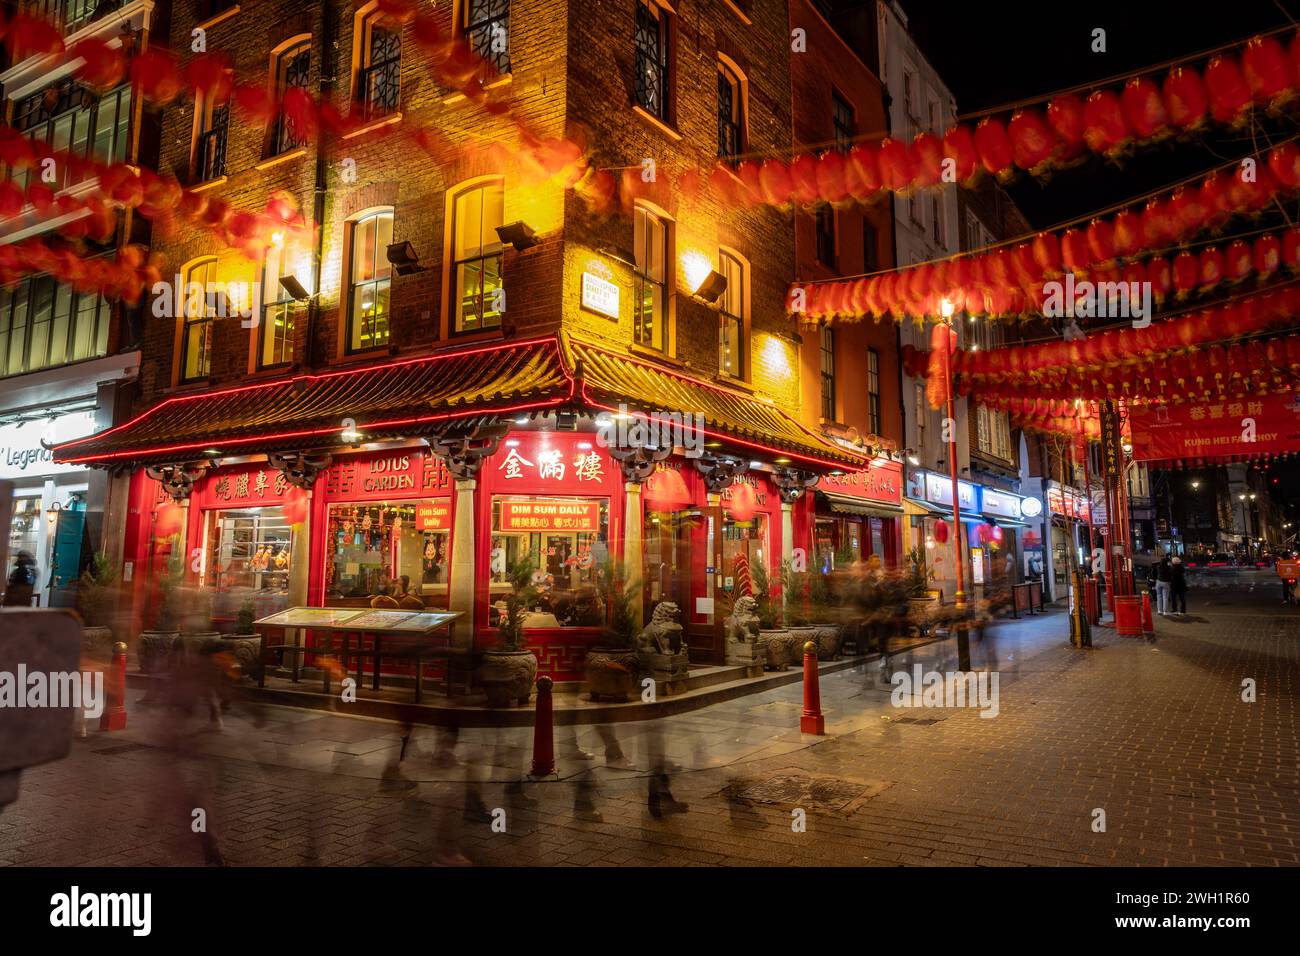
(374, 107)
(731, 77)
(188, 323)
(642, 279)
(478, 34)
(283, 139)
(385, 281)
(873, 391)
(456, 295)
(740, 367)
(843, 134)
(826, 364)
(659, 57)
(824, 231)
(283, 301)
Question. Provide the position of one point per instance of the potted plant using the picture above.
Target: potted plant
(780, 643)
(612, 665)
(920, 603)
(157, 645)
(509, 669)
(245, 644)
(795, 588)
(96, 589)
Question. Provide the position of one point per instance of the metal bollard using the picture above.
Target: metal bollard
(1148, 624)
(544, 730)
(811, 720)
(114, 715)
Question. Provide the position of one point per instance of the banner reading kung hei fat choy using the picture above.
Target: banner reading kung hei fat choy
(1243, 427)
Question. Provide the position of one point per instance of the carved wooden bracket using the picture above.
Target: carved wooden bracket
(638, 463)
(791, 483)
(464, 452)
(178, 479)
(300, 468)
(720, 472)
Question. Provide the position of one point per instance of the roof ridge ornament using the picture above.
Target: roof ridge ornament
(178, 478)
(720, 471)
(791, 483)
(300, 468)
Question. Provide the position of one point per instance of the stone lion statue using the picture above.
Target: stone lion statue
(742, 626)
(663, 634)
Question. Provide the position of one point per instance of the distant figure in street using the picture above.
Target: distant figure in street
(1178, 585)
(1164, 576)
(22, 581)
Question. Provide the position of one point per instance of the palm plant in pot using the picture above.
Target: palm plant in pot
(509, 669)
(96, 590)
(921, 605)
(795, 589)
(824, 613)
(245, 645)
(779, 641)
(612, 665)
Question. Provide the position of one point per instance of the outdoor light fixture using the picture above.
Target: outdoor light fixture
(403, 258)
(566, 420)
(912, 458)
(53, 511)
(351, 436)
(291, 285)
(518, 234)
(946, 308)
(711, 289)
(1195, 485)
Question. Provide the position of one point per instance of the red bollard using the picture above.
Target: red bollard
(544, 730)
(114, 715)
(811, 720)
(1148, 625)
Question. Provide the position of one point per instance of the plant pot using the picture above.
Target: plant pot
(783, 648)
(97, 642)
(612, 673)
(507, 676)
(199, 642)
(155, 650)
(246, 649)
(829, 638)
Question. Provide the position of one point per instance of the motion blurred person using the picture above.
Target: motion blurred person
(1178, 586)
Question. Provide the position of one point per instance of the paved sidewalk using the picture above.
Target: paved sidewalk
(1156, 735)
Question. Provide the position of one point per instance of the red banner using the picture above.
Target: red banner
(554, 515)
(1234, 428)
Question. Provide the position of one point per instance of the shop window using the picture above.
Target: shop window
(197, 315)
(733, 345)
(396, 548)
(487, 30)
(747, 538)
(731, 113)
(369, 281)
(653, 80)
(567, 540)
(476, 257)
(650, 280)
(24, 531)
(292, 71)
(248, 556)
(379, 74)
(275, 325)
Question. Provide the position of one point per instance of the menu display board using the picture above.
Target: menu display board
(310, 617)
(360, 619)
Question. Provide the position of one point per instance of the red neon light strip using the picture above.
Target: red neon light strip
(322, 376)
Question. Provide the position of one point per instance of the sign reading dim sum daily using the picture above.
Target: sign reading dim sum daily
(550, 515)
(434, 515)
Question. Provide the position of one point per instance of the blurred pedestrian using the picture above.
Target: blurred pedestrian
(1178, 585)
(22, 582)
(1164, 572)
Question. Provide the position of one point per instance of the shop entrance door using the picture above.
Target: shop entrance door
(65, 557)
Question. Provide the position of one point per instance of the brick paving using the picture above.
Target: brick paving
(1156, 735)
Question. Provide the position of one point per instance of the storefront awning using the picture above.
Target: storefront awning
(1006, 522)
(848, 504)
(610, 378)
(942, 511)
(388, 401)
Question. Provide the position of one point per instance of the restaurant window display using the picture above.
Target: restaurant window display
(393, 548)
(249, 551)
(567, 540)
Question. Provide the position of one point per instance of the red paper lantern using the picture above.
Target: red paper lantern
(941, 531)
(1047, 252)
(1105, 130)
(167, 519)
(774, 183)
(1291, 249)
(156, 76)
(831, 184)
(1160, 277)
(1074, 250)
(743, 503)
(959, 146)
(1186, 101)
(1228, 92)
(863, 171)
(895, 168)
(1211, 268)
(1265, 257)
(803, 180)
(1101, 240)
(1269, 74)
(1144, 110)
(1065, 115)
(1032, 140)
(994, 147)
(926, 160)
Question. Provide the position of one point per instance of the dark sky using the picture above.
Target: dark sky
(996, 53)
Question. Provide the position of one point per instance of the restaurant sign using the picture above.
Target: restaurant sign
(1071, 503)
(938, 491)
(883, 482)
(433, 515)
(367, 477)
(550, 515)
(1002, 504)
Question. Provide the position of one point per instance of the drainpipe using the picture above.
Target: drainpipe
(328, 78)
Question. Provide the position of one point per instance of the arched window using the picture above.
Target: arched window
(198, 310)
(733, 342)
(487, 30)
(731, 113)
(476, 256)
(369, 281)
(275, 324)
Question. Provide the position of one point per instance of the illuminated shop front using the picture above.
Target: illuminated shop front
(859, 514)
(433, 510)
(935, 539)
